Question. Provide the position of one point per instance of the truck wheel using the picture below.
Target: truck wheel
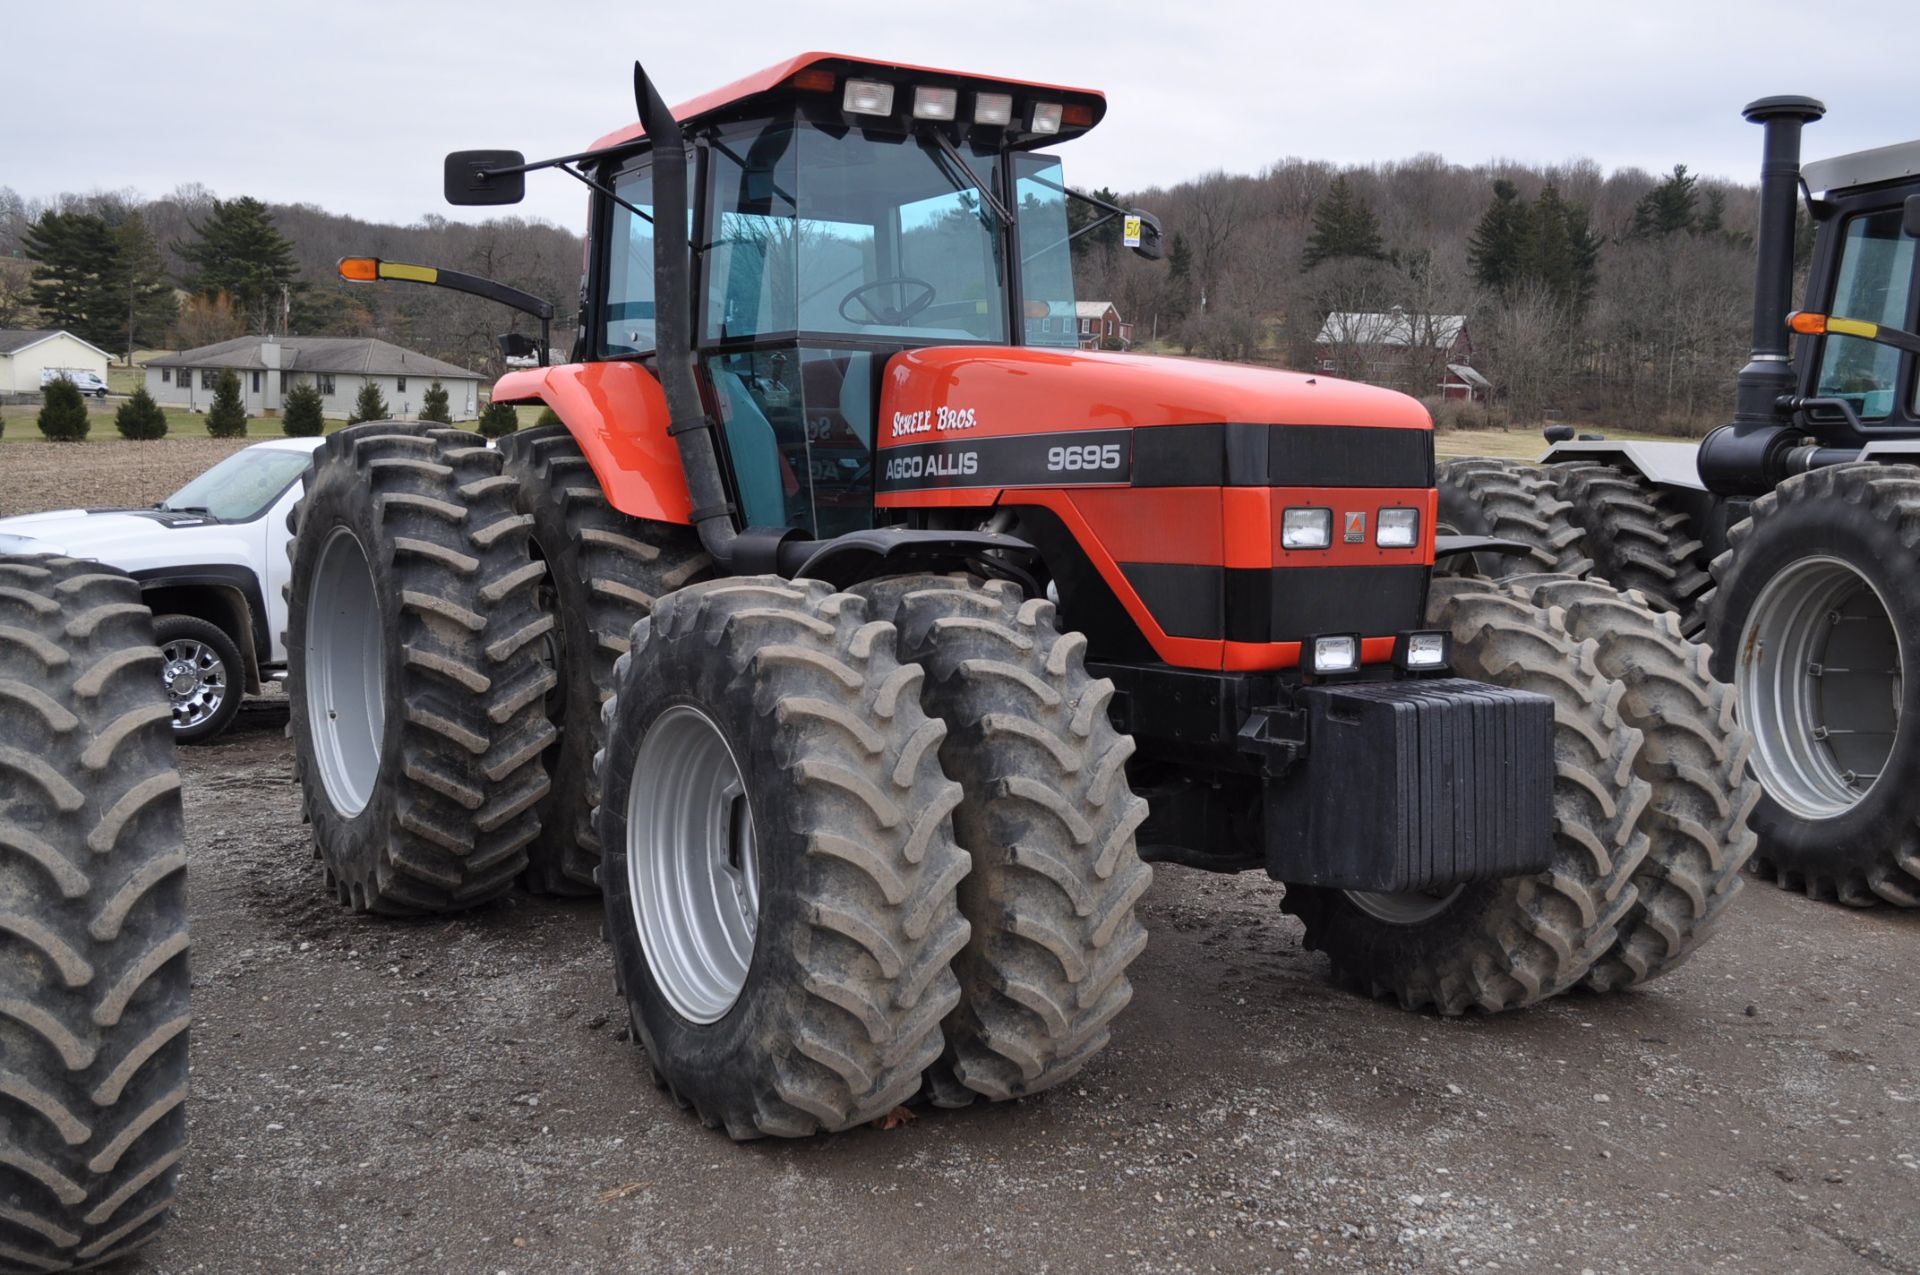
(604, 570)
(415, 680)
(1495, 945)
(1636, 538)
(1048, 819)
(780, 865)
(1814, 620)
(93, 921)
(1485, 496)
(203, 675)
(1694, 760)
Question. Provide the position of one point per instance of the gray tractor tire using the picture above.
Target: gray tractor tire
(1815, 620)
(416, 669)
(604, 570)
(1486, 496)
(780, 868)
(1694, 760)
(93, 921)
(1497, 945)
(1049, 820)
(1636, 538)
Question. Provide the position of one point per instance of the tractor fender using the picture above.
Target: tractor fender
(1674, 465)
(617, 412)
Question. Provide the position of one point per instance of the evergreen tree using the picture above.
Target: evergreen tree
(1713, 218)
(1565, 252)
(63, 413)
(1667, 209)
(368, 406)
(227, 418)
(238, 250)
(73, 255)
(300, 415)
(140, 417)
(547, 417)
(144, 303)
(1343, 226)
(433, 405)
(1502, 243)
(498, 420)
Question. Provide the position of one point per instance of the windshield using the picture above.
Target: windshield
(1876, 273)
(242, 485)
(850, 234)
(1046, 254)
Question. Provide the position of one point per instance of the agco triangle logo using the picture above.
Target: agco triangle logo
(1356, 529)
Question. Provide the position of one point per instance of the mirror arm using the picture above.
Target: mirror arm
(565, 164)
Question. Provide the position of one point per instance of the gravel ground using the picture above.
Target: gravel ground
(458, 1095)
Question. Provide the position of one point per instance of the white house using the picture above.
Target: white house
(23, 354)
(337, 366)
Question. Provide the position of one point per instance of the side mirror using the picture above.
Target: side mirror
(1911, 223)
(518, 345)
(1142, 234)
(472, 182)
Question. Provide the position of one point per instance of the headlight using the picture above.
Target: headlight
(1422, 652)
(867, 97)
(993, 108)
(935, 104)
(1306, 528)
(1336, 653)
(1045, 117)
(1398, 528)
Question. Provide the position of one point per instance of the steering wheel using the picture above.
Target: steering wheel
(890, 316)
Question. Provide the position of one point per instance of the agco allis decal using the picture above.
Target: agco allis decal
(1355, 531)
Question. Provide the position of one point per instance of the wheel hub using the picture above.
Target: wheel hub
(196, 680)
(1404, 907)
(346, 678)
(693, 867)
(1819, 685)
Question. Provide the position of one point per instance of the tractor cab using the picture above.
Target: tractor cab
(841, 212)
(1858, 385)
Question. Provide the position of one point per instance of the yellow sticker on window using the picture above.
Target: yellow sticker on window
(1132, 235)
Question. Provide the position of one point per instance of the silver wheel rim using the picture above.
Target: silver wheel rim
(346, 679)
(196, 680)
(1404, 907)
(693, 868)
(1818, 683)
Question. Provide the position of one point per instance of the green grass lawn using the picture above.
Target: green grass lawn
(1523, 444)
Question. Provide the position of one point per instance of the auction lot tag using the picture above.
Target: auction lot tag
(1132, 232)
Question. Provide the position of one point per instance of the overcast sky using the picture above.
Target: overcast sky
(350, 104)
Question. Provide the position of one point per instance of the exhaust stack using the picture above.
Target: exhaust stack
(1740, 457)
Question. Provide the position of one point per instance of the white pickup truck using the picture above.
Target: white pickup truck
(211, 560)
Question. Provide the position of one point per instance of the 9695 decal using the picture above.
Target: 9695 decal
(1093, 457)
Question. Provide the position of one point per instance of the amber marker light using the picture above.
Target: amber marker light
(814, 81)
(1806, 323)
(360, 269)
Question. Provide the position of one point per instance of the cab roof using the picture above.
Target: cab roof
(843, 66)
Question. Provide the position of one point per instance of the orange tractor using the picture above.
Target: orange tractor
(862, 639)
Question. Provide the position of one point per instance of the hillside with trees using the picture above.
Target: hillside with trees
(1619, 299)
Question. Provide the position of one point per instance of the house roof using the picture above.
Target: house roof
(1395, 327)
(1469, 376)
(359, 355)
(1092, 309)
(14, 340)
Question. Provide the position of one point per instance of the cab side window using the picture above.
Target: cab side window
(1875, 284)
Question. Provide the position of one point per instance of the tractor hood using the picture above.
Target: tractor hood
(932, 393)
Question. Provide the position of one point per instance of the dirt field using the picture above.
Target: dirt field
(458, 1096)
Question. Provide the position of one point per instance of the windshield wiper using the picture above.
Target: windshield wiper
(965, 176)
(182, 509)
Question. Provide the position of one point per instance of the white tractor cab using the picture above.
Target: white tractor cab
(210, 560)
(85, 380)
